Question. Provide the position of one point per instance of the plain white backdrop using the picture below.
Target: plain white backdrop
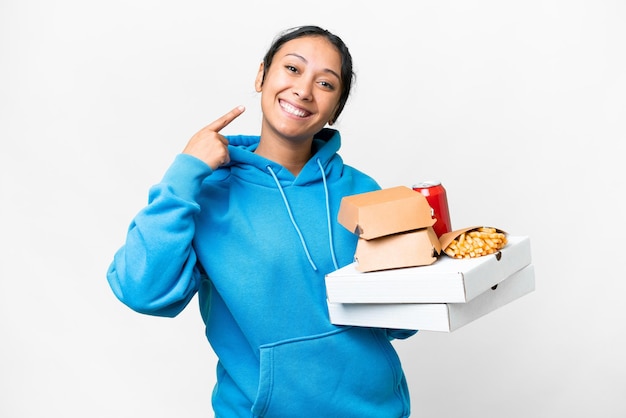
(519, 108)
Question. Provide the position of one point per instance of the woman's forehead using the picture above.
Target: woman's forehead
(312, 49)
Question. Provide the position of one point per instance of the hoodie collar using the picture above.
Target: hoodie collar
(244, 162)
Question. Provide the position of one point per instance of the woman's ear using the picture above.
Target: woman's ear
(258, 83)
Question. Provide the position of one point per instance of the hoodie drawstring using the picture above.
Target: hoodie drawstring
(295, 225)
(329, 224)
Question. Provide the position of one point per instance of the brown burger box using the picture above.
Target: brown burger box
(405, 249)
(384, 212)
(394, 226)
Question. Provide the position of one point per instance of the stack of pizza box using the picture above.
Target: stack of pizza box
(401, 278)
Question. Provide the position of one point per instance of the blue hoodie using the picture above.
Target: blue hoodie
(255, 242)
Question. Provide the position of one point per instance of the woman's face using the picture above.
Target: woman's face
(301, 89)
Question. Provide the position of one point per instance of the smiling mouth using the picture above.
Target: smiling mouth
(292, 110)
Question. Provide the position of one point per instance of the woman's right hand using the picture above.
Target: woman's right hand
(209, 145)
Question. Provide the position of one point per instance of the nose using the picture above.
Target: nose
(303, 89)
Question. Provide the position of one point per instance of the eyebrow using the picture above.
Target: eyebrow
(326, 70)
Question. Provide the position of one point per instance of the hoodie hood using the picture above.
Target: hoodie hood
(254, 168)
(245, 163)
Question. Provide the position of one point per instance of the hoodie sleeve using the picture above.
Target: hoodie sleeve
(154, 272)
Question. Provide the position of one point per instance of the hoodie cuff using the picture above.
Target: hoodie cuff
(185, 176)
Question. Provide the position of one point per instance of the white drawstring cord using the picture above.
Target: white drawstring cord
(293, 221)
(330, 228)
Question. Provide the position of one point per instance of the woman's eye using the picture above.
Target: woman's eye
(291, 68)
(327, 85)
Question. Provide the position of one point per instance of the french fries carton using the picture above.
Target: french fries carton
(419, 247)
(384, 212)
(474, 241)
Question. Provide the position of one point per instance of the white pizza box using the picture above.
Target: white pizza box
(447, 280)
(443, 317)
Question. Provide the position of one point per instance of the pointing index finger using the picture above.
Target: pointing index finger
(222, 122)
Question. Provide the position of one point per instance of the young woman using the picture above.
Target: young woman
(249, 222)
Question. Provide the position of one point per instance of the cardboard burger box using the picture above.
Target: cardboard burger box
(394, 226)
(384, 212)
(404, 249)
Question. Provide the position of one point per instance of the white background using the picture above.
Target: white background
(517, 107)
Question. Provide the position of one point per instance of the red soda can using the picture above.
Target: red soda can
(435, 194)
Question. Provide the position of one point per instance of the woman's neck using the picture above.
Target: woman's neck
(291, 155)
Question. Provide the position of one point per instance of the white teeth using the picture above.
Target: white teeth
(293, 110)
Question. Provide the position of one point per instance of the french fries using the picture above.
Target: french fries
(476, 243)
